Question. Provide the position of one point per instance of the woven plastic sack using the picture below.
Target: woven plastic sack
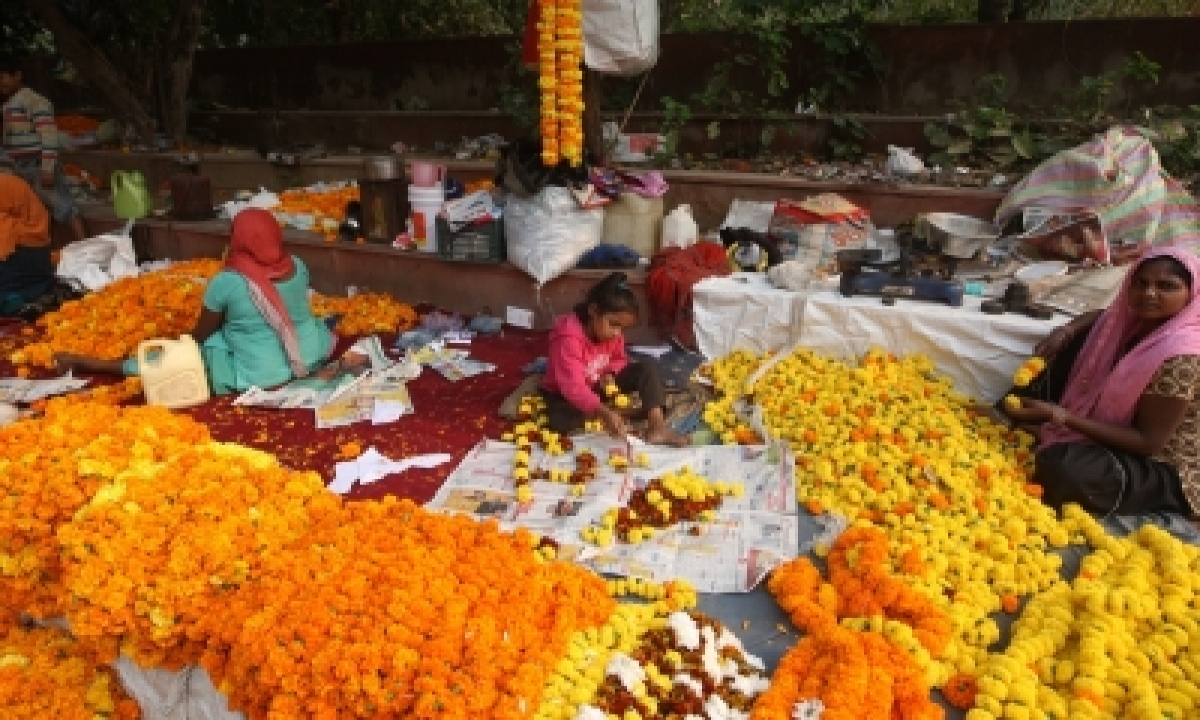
(548, 233)
(620, 37)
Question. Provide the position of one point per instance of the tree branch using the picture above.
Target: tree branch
(93, 65)
(178, 53)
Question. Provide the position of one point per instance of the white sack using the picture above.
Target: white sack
(99, 261)
(620, 37)
(548, 233)
(164, 695)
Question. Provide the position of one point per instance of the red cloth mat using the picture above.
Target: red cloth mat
(450, 418)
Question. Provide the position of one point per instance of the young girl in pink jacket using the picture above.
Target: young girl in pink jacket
(587, 354)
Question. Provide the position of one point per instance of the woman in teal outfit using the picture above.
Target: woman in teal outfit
(256, 327)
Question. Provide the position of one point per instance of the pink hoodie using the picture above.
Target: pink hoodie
(576, 363)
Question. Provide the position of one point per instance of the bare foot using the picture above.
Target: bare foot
(668, 437)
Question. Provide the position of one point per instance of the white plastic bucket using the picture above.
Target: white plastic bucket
(426, 203)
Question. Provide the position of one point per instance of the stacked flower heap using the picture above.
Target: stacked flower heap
(366, 313)
(560, 78)
(327, 207)
(45, 674)
(1121, 640)
(875, 663)
(50, 467)
(110, 324)
(891, 444)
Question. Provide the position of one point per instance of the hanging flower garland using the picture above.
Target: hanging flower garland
(560, 79)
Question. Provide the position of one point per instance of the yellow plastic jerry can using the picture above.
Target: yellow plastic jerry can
(172, 372)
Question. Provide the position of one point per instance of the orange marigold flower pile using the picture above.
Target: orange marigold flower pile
(861, 667)
(366, 313)
(329, 204)
(50, 467)
(299, 605)
(109, 324)
(44, 674)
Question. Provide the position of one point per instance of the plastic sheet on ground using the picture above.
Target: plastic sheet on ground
(744, 312)
(750, 536)
(99, 261)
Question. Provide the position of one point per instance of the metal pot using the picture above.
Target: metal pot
(383, 167)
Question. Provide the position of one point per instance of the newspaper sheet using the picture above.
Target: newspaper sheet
(22, 391)
(751, 534)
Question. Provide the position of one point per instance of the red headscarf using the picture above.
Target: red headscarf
(256, 253)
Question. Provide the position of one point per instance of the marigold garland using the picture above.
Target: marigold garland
(1121, 640)
(560, 79)
(865, 666)
(45, 674)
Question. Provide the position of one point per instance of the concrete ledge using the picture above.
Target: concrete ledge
(410, 277)
(709, 193)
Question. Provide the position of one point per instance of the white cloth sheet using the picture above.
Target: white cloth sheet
(980, 352)
(744, 312)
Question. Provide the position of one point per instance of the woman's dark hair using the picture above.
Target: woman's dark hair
(1178, 269)
(610, 295)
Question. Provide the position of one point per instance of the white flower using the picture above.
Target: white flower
(587, 712)
(687, 632)
(626, 669)
(690, 683)
(808, 710)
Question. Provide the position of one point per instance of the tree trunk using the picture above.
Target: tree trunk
(92, 64)
(178, 54)
(593, 123)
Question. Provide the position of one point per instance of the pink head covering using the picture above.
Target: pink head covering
(256, 252)
(1106, 386)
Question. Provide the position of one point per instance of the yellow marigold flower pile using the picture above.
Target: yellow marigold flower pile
(890, 443)
(1121, 640)
(366, 313)
(44, 674)
(109, 324)
(875, 663)
(52, 466)
(560, 79)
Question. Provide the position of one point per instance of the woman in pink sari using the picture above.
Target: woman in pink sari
(1118, 408)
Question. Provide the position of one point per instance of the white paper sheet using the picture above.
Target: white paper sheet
(372, 466)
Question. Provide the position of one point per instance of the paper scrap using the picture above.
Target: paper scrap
(654, 351)
(519, 317)
(372, 466)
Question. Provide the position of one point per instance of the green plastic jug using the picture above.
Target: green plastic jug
(131, 198)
